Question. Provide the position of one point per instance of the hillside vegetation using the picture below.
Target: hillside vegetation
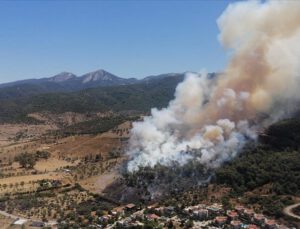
(126, 98)
(96, 126)
(272, 167)
(275, 161)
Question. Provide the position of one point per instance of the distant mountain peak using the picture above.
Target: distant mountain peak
(62, 77)
(98, 75)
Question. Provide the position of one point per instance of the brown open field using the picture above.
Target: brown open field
(92, 161)
(80, 146)
(53, 164)
(29, 178)
(10, 133)
(97, 184)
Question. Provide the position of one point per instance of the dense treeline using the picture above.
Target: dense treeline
(282, 135)
(258, 167)
(272, 205)
(98, 125)
(275, 161)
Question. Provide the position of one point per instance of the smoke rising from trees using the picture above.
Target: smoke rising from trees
(210, 120)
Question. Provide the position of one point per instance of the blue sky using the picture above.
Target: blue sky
(128, 38)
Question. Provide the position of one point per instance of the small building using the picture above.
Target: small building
(201, 214)
(119, 210)
(259, 219)
(130, 206)
(270, 224)
(236, 224)
(137, 224)
(151, 207)
(152, 217)
(105, 218)
(199, 206)
(114, 213)
(125, 222)
(240, 209)
(169, 210)
(194, 208)
(220, 220)
(249, 213)
(137, 215)
(215, 209)
(159, 210)
(233, 215)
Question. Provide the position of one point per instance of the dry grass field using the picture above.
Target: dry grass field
(81, 146)
(11, 133)
(92, 161)
(98, 183)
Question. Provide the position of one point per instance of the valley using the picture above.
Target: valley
(150, 114)
(78, 178)
(64, 167)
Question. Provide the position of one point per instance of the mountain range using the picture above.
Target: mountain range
(67, 82)
(98, 91)
(91, 92)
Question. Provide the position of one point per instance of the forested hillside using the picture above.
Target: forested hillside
(275, 161)
(137, 97)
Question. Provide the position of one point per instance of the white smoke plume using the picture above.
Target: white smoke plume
(210, 121)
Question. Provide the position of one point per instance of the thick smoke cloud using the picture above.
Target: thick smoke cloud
(210, 120)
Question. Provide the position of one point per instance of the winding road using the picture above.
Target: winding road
(289, 211)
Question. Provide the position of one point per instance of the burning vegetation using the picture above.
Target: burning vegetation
(219, 116)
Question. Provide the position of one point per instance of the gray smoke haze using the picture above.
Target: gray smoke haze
(217, 118)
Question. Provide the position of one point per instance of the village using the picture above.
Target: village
(198, 216)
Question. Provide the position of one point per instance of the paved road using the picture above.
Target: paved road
(289, 211)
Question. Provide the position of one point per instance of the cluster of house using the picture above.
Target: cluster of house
(213, 216)
(237, 218)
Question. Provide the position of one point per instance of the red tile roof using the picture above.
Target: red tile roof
(153, 216)
(270, 222)
(221, 219)
(130, 206)
(235, 222)
(232, 214)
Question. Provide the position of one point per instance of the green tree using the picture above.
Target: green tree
(26, 160)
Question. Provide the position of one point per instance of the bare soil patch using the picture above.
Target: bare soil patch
(97, 184)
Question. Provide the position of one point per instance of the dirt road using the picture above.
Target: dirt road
(289, 211)
(15, 217)
(9, 215)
